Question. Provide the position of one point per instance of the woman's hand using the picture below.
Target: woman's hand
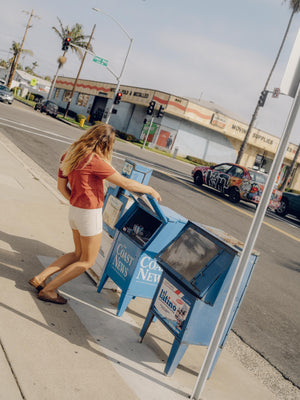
(154, 194)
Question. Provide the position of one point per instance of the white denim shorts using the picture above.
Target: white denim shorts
(87, 222)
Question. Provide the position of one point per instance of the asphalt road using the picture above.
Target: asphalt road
(268, 320)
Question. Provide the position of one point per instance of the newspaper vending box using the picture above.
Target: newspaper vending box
(141, 233)
(198, 267)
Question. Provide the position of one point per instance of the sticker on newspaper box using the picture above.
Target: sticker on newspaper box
(172, 305)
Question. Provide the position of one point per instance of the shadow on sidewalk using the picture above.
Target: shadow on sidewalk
(117, 338)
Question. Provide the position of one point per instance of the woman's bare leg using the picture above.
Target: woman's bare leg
(90, 246)
(63, 261)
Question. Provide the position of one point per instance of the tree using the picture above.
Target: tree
(4, 63)
(16, 50)
(34, 65)
(78, 38)
(30, 69)
(295, 7)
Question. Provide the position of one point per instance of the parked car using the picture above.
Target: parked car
(6, 95)
(290, 204)
(236, 181)
(48, 107)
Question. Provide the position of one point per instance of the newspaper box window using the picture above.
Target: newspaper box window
(198, 266)
(141, 233)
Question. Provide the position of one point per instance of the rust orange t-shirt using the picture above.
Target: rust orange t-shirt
(86, 182)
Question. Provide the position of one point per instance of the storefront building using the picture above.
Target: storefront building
(189, 127)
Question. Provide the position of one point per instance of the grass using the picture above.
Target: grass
(23, 100)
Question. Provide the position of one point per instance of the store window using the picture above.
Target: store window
(82, 99)
(67, 95)
(57, 91)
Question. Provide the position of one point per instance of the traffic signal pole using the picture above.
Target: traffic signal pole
(147, 134)
(77, 77)
(109, 112)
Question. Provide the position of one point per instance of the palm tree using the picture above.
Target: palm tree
(295, 7)
(77, 39)
(16, 50)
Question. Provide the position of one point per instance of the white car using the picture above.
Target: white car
(6, 95)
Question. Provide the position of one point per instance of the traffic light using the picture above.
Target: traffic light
(160, 112)
(66, 43)
(150, 108)
(262, 98)
(118, 98)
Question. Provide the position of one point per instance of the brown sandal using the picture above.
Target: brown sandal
(33, 282)
(57, 300)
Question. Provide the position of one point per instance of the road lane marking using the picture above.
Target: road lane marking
(40, 134)
(32, 127)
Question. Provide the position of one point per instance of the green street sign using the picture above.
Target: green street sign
(100, 60)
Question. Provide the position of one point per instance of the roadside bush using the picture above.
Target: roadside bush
(198, 161)
(97, 122)
(79, 117)
(126, 136)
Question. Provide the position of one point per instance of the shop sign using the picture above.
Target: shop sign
(219, 121)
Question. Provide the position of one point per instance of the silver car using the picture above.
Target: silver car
(6, 95)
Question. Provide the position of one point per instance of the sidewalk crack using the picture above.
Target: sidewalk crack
(12, 371)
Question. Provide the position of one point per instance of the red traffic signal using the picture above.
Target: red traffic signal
(66, 43)
(150, 108)
(118, 98)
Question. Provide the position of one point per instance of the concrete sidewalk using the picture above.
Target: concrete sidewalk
(82, 350)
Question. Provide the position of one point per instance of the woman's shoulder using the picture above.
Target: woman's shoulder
(97, 160)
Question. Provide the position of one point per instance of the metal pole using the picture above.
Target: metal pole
(53, 83)
(148, 131)
(118, 84)
(109, 112)
(77, 77)
(247, 250)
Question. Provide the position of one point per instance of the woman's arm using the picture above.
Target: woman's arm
(132, 186)
(62, 186)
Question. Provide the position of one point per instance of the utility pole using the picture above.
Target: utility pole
(14, 67)
(77, 77)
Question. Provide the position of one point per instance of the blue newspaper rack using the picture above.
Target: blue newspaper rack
(198, 268)
(141, 233)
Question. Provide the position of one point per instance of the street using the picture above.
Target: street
(268, 320)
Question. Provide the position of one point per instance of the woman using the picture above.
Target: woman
(80, 179)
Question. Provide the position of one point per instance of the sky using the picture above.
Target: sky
(218, 51)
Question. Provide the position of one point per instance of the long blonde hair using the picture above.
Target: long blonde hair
(99, 139)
